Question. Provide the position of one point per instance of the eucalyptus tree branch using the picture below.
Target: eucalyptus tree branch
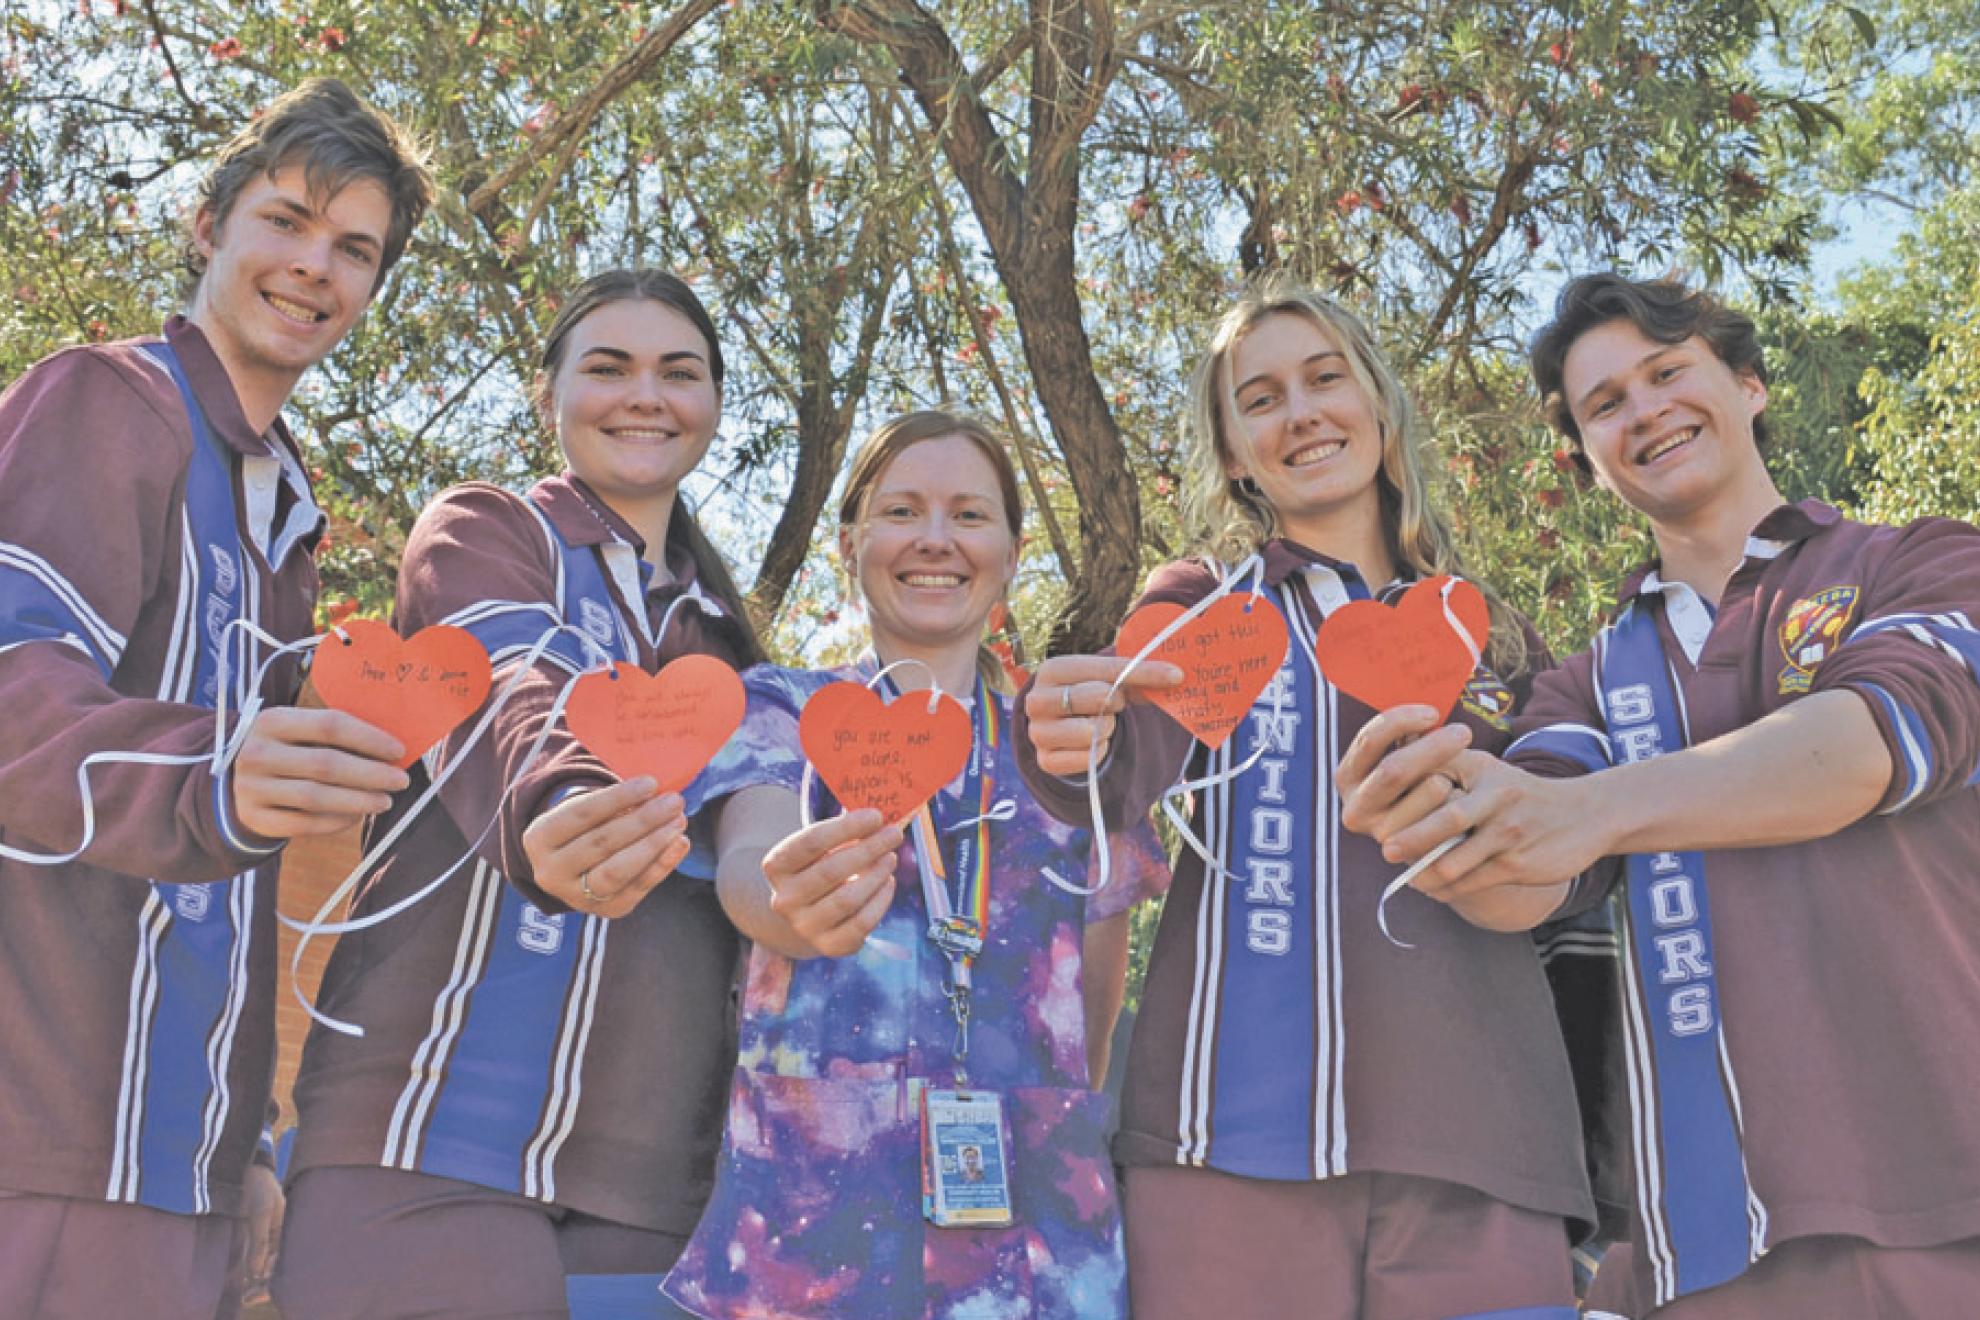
(578, 120)
(1020, 438)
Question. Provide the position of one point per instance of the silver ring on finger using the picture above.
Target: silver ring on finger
(584, 887)
(1065, 701)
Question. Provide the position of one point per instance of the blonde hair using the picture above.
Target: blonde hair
(1232, 519)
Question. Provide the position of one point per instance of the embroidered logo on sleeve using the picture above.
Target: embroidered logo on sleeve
(1489, 699)
(1814, 628)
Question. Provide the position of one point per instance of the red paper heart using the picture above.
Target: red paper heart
(668, 725)
(891, 756)
(1409, 655)
(1228, 655)
(417, 689)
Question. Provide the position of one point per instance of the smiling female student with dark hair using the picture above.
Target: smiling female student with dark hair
(547, 1038)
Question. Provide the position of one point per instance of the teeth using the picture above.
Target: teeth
(294, 310)
(1309, 456)
(1682, 437)
(932, 580)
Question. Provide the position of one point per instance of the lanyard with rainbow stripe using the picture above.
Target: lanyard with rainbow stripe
(955, 881)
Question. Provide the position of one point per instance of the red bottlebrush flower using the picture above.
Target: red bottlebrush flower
(1559, 53)
(1461, 208)
(1745, 186)
(342, 610)
(1564, 461)
(1409, 97)
(1138, 207)
(98, 332)
(1547, 538)
(227, 48)
(1532, 231)
(332, 39)
(1551, 498)
(1349, 201)
(1742, 107)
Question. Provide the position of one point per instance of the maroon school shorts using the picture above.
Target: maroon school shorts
(63, 1259)
(1365, 1246)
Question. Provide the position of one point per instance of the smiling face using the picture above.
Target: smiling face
(1298, 423)
(635, 405)
(1666, 427)
(933, 552)
(287, 276)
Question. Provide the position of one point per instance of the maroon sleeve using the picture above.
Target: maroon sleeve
(94, 446)
(1149, 749)
(1914, 656)
(474, 545)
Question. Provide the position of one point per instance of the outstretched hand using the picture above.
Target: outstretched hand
(307, 771)
(1412, 786)
(1399, 771)
(833, 881)
(603, 851)
(1075, 695)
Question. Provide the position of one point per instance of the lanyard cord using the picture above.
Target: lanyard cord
(958, 916)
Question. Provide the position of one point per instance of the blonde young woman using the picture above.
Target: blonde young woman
(1317, 1121)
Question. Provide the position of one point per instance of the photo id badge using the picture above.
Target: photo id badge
(965, 1172)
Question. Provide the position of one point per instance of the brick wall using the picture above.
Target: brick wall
(311, 870)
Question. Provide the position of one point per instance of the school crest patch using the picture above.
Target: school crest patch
(1489, 699)
(1813, 629)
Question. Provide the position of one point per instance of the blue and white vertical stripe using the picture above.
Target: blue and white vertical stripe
(1701, 1221)
(1268, 994)
(189, 983)
(493, 1089)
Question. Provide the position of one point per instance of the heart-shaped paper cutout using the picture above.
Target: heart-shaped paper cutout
(891, 756)
(1228, 655)
(416, 689)
(668, 725)
(1414, 654)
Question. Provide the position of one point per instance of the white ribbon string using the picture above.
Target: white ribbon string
(810, 777)
(1471, 645)
(320, 923)
(1401, 882)
(237, 633)
(1005, 809)
(884, 947)
(1252, 568)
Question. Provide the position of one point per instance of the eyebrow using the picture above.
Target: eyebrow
(1321, 356)
(310, 213)
(1608, 382)
(622, 355)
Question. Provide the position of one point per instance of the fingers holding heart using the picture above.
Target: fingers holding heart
(602, 852)
(834, 880)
